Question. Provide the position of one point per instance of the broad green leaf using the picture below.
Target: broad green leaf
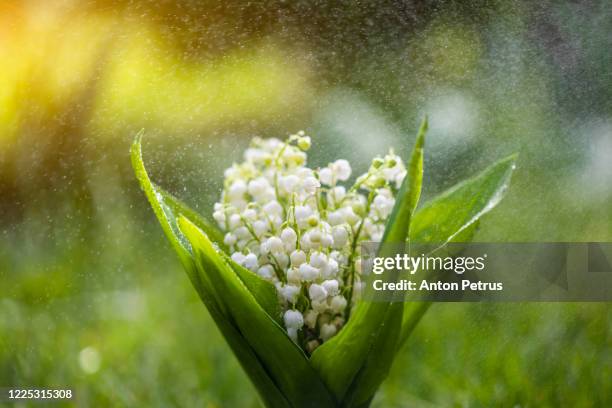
(268, 391)
(444, 217)
(284, 360)
(162, 210)
(453, 216)
(179, 207)
(398, 226)
(263, 290)
(356, 361)
(171, 207)
(413, 313)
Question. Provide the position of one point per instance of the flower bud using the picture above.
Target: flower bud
(304, 143)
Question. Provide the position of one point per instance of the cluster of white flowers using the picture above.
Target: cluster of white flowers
(300, 229)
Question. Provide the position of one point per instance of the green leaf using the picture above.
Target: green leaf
(171, 207)
(162, 210)
(179, 207)
(269, 392)
(357, 360)
(444, 217)
(413, 313)
(283, 360)
(399, 224)
(263, 290)
(453, 216)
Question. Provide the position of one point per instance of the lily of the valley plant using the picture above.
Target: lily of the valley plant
(280, 271)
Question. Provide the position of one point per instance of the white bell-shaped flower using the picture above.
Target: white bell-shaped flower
(328, 330)
(289, 238)
(340, 236)
(237, 189)
(310, 318)
(317, 292)
(238, 257)
(298, 257)
(342, 169)
(308, 273)
(293, 319)
(338, 304)
(318, 259)
(250, 262)
(273, 208)
(331, 287)
(290, 293)
(266, 271)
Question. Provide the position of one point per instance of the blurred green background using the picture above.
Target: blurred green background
(92, 297)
